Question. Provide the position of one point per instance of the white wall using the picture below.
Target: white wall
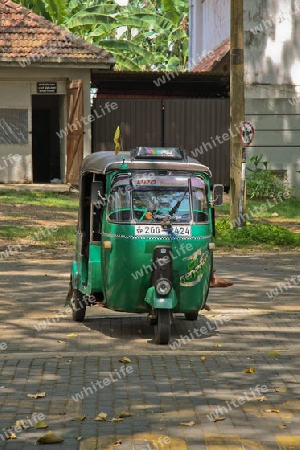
(272, 82)
(209, 26)
(17, 85)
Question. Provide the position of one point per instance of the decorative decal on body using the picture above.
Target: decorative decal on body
(195, 267)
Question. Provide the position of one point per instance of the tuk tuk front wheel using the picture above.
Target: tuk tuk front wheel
(78, 306)
(163, 328)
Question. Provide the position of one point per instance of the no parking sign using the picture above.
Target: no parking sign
(247, 133)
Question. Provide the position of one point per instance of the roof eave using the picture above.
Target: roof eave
(84, 63)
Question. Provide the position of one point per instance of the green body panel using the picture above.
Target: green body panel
(168, 302)
(86, 272)
(79, 266)
(127, 268)
(94, 269)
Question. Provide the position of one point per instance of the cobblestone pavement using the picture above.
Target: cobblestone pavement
(230, 380)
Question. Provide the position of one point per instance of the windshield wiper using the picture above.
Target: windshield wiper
(175, 208)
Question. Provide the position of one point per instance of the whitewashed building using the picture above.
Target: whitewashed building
(271, 73)
(45, 73)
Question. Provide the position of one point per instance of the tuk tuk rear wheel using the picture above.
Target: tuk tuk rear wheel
(78, 306)
(163, 328)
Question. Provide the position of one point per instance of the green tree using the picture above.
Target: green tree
(53, 10)
(142, 35)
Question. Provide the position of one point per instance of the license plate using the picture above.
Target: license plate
(158, 230)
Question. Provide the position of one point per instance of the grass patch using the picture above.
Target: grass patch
(261, 231)
(49, 199)
(255, 235)
(287, 209)
(39, 236)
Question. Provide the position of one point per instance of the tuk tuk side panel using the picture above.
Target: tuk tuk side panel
(79, 266)
(94, 269)
(191, 282)
(128, 265)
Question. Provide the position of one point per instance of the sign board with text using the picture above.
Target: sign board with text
(49, 87)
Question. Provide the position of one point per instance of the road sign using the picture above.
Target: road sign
(247, 133)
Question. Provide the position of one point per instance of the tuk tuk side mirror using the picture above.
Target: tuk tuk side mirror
(218, 193)
(97, 198)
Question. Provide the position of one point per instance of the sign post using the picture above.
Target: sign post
(247, 135)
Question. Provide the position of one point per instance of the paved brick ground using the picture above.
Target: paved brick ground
(199, 373)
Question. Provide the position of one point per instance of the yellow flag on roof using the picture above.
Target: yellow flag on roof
(117, 140)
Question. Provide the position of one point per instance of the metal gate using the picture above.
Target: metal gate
(201, 126)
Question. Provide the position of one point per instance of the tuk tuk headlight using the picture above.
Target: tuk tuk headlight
(163, 286)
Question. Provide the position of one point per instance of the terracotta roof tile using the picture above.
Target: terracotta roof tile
(216, 60)
(24, 34)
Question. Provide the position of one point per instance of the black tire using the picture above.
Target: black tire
(78, 306)
(191, 315)
(163, 327)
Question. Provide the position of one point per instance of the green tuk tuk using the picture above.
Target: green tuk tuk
(145, 235)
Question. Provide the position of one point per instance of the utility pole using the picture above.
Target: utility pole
(237, 112)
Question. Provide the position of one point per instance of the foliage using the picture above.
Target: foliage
(53, 10)
(262, 182)
(266, 236)
(143, 35)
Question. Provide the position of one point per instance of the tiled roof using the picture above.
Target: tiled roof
(216, 60)
(24, 35)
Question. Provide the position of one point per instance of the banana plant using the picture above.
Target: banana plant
(142, 35)
(53, 10)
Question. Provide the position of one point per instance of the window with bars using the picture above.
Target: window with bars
(13, 126)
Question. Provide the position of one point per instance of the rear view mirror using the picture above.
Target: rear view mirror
(97, 192)
(218, 192)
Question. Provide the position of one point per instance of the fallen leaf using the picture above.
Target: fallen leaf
(101, 417)
(281, 389)
(219, 419)
(116, 419)
(21, 423)
(72, 335)
(79, 438)
(37, 395)
(41, 424)
(125, 414)
(61, 342)
(272, 410)
(250, 370)
(218, 345)
(282, 426)
(58, 356)
(125, 360)
(261, 399)
(274, 353)
(11, 436)
(49, 438)
(79, 419)
(203, 358)
(187, 424)
(118, 442)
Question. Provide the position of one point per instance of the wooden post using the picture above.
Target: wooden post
(237, 110)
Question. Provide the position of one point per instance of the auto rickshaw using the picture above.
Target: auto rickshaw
(145, 235)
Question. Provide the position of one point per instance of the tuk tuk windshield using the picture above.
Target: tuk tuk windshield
(152, 197)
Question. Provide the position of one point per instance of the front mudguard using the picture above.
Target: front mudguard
(156, 302)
